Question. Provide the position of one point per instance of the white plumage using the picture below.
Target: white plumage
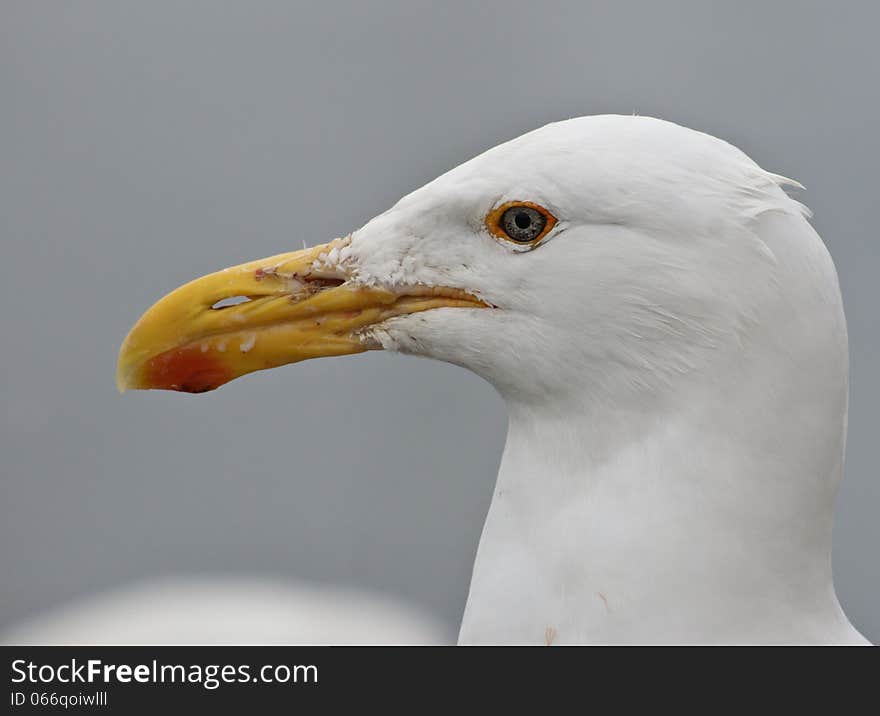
(674, 360)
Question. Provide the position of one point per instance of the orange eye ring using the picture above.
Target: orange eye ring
(495, 222)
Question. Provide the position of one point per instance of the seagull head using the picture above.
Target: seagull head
(667, 331)
(604, 255)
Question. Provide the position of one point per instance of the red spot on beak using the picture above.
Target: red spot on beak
(186, 369)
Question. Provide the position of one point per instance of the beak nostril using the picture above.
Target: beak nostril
(230, 301)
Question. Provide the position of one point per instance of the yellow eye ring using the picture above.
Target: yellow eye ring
(522, 223)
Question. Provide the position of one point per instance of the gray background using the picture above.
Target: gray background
(145, 143)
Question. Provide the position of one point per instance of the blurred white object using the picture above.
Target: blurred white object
(218, 610)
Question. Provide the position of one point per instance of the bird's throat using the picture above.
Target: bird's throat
(591, 538)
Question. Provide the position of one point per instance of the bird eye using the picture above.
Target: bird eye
(521, 222)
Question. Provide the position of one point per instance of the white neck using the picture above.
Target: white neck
(652, 544)
(701, 518)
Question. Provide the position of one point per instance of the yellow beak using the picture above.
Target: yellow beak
(196, 338)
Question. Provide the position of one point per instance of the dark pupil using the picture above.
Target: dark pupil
(522, 224)
(523, 220)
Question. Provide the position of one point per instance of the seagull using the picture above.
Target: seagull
(667, 331)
